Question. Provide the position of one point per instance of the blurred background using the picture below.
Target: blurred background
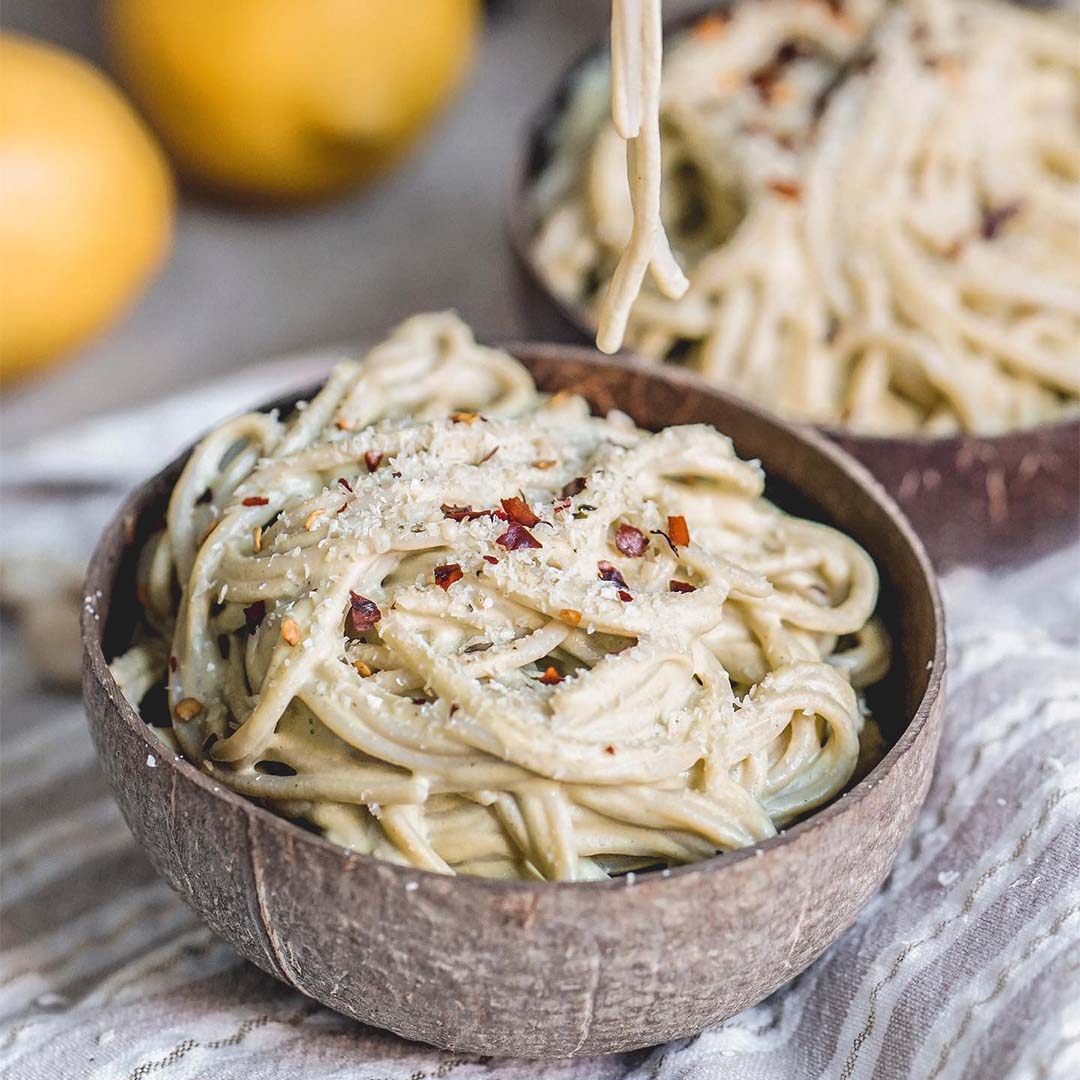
(271, 246)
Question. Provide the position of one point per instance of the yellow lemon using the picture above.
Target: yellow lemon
(85, 203)
(289, 98)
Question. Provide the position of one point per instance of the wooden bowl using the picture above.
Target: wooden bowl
(532, 968)
(988, 500)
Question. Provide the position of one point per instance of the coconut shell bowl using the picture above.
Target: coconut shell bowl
(987, 500)
(532, 968)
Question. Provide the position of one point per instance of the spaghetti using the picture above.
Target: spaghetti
(878, 207)
(457, 625)
(636, 55)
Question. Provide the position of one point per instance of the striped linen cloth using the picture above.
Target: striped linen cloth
(966, 964)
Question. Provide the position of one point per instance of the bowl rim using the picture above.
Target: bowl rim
(99, 587)
(534, 129)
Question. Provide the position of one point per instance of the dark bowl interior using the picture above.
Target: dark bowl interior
(530, 968)
(987, 500)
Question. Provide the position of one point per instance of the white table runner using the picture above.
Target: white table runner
(967, 964)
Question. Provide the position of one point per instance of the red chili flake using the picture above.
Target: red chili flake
(765, 80)
(711, 26)
(677, 530)
(608, 572)
(550, 677)
(396, 475)
(517, 536)
(609, 750)
(624, 596)
(372, 460)
(575, 487)
(562, 504)
(681, 586)
(343, 506)
(173, 663)
(457, 513)
(995, 218)
(519, 510)
(256, 500)
(445, 576)
(488, 456)
(345, 484)
(787, 189)
(467, 513)
(791, 50)
(253, 614)
(491, 559)
(363, 613)
(419, 700)
(631, 542)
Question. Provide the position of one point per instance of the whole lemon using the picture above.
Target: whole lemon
(85, 203)
(289, 98)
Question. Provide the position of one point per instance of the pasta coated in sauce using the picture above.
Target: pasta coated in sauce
(877, 205)
(456, 624)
